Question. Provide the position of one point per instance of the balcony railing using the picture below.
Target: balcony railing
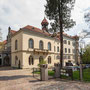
(40, 50)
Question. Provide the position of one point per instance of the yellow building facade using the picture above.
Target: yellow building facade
(30, 45)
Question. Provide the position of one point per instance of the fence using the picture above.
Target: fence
(36, 73)
(86, 74)
(66, 73)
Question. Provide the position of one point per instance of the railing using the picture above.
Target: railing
(40, 50)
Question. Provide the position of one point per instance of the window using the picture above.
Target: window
(41, 45)
(73, 50)
(65, 50)
(73, 56)
(16, 60)
(49, 46)
(57, 49)
(58, 57)
(49, 60)
(40, 59)
(68, 42)
(31, 60)
(16, 43)
(65, 41)
(73, 43)
(69, 51)
(65, 56)
(54, 48)
(69, 57)
(31, 43)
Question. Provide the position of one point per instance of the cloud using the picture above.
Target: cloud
(19, 13)
(78, 16)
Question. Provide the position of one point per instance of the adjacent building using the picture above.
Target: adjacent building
(5, 49)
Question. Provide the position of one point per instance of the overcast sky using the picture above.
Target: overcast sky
(19, 13)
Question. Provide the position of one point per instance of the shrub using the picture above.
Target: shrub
(42, 62)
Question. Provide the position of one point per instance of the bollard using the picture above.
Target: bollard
(57, 70)
(44, 72)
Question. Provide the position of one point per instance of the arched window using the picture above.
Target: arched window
(49, 60)
(16, 60)
(41, 45)
(16, 44)
(31, 43)
(40, 59)
(57, 49)
(49, 46)
(31, 60)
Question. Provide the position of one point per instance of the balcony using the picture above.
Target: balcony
(36, 50)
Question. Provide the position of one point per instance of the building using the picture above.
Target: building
(5, 49)
(30, 45)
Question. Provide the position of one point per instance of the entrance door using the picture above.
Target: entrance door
(0, 62)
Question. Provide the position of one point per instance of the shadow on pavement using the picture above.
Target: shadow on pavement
(8, 68)
(5, 78)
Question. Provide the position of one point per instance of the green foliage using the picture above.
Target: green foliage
(50, 73)
(52, 11)
(86, 55)
(87, 18)
(86, 75)
(42, 62)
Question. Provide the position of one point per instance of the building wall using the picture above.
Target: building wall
(23, 52)
(37, 38)
(17, 52)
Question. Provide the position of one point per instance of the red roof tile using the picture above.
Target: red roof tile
(13, 32)
(5, 41)
(73, 37)
(31, 28)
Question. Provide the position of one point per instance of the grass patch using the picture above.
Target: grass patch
(86, 75)
(50, 73)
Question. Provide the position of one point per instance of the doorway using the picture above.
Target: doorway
(0, 62)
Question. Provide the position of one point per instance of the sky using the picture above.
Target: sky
(19, 13)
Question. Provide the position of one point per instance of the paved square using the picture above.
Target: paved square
(23, 80)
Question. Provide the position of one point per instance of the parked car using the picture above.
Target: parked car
(87, 66)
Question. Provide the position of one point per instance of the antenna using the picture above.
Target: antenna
(0, 35)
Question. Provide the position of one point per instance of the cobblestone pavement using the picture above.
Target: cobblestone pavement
(23, 80)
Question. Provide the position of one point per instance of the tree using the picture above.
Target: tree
(86, 55)
(87, 18)
(60, 12)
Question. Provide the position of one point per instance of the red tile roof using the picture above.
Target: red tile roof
(35, 29)
(5, 41)
(73, 37)
(31, 28)
(13, 32)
